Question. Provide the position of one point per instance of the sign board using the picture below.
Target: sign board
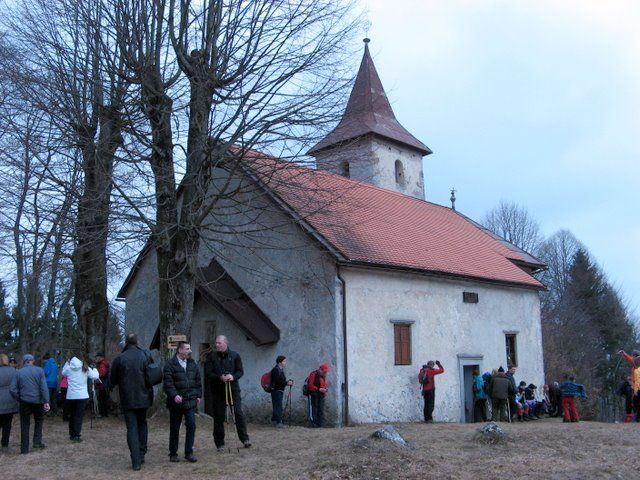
(172, 340)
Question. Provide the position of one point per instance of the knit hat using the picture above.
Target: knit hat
(430, 364)
(501, 369)
(522, 384)
(324, 367)
(27, 357)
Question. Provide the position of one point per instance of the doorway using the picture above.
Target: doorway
(467, 365)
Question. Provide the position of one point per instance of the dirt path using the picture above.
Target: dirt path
(544, 449)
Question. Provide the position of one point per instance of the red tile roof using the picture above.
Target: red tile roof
(372, 225)
(369, 112)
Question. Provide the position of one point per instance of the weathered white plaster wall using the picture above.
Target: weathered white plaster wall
(141, 310)
(283, 270)
(372, 160)
(444, 327)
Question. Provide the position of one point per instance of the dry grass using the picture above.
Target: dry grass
(544, 449)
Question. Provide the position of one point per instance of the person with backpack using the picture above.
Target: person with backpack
(500, 390)
(479, 398)
(427, 380)
(128, 372)
(77, 373)
(625, 390)
(183, 389)
(102, 386)
(8, 405)
(223, 368)
(277, 384)
(316, 386)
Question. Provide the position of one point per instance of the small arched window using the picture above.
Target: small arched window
(399, 173)
(344, 169)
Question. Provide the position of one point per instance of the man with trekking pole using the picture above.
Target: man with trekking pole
(278, 385)
(223, 368)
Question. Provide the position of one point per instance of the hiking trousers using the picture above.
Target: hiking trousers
(5, 425)
(276, 403)
(429, 403)
(499, 410)
(570, 410)
(26, 411)
(219, 412)
(76, 412)
(480, 410)
(317, 408)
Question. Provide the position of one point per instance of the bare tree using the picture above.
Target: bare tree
(72, 77)
(514, 224)
(259, 73)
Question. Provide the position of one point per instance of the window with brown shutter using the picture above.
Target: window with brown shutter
(402, 343)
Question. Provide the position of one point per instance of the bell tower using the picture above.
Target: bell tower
(369, 144)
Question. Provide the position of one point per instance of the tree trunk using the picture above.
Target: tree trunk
(90, 263)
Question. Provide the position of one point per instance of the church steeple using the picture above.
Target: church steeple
(369, 111)
(369, 144)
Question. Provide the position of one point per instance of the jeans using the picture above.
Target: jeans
(5, 425)
(136, 420)
(219, 411)
(175, 420)
(26, 410)
(76, 414)
(276, 403)
(317, 409)
(429, 401)
(569, 409)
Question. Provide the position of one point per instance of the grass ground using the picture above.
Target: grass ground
(545, 449)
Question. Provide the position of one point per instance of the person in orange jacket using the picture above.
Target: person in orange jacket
(634, 360)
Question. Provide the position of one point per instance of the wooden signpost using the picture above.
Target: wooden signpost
(172, 341)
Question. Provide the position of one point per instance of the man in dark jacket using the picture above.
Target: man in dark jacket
(278, 384)
(223, 368)
(29, 388)
(183, 389)
(500, 391)
(427, 380)
(128, 373)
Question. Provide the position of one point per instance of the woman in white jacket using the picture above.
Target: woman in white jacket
(77, 373)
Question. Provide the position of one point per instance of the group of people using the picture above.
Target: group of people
(497, 393)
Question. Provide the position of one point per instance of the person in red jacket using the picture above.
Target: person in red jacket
(102, 386)
(634, 361)
(317, 386)
(427, 380)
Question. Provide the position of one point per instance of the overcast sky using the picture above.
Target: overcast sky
(536, 102)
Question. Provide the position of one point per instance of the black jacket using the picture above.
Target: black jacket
(218, 363)
(187, 383)
(127, 372)
(278, 379)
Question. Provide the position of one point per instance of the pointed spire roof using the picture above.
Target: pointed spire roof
(369, 111)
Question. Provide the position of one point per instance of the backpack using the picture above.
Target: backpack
(265, 382)
(305, 385)
(152, 371)
(423, 378)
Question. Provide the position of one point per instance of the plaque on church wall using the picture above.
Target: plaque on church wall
(469, 297)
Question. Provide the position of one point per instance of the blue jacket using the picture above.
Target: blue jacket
(572, 389)
(51, 372)
(478, 388)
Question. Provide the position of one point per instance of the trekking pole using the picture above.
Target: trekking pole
(509, 408)
(229, 398)
(288, 405)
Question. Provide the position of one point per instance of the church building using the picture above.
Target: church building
(348, 264)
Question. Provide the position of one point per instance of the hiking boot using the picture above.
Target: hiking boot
(39, 445)
(174, 458)
(279, 425)
(220, 449)
(136, 466)
(190, 458)
(246, 444)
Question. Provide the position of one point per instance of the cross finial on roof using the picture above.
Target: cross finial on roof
(453, 199)
(366, 40)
